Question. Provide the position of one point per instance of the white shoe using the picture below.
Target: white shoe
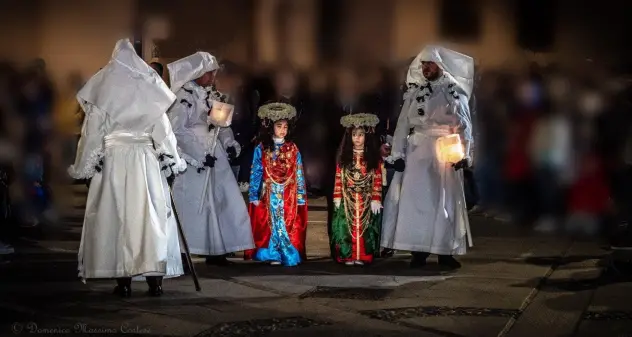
(6, 249)
(359, 263)
(349, 263)
(275, 263)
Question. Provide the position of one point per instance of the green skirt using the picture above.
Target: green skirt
(341, 238)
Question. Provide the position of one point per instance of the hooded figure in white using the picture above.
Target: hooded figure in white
(223, 225)
(126, 151)
(425, 210)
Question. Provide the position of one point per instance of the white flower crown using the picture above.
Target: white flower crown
(359, 120)
(277, 111)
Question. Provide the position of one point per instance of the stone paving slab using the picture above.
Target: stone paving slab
(604, 329)
(560, 301)
(299, 284)
(460, 326)
(474, 292)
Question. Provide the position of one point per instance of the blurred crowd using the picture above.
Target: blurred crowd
(553, 148)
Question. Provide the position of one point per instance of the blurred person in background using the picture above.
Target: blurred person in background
(7, 153)
(550, 151)
(621, 171)
(68, 117)
(517, 165)
(589, 198)
(36, 107)
(494, 104)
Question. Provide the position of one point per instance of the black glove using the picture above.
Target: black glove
(399, 165)
(231, 152)
(463, 163)
(209, 161)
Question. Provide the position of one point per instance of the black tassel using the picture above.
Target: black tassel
(185, 102)
(162, 156)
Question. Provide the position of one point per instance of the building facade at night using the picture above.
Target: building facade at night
(79, 34)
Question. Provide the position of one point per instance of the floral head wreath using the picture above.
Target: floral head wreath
(369, 121)
(276, 111)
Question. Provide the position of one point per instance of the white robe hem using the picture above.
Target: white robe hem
(427, 249)
(222, 252)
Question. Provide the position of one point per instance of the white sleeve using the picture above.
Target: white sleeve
(400, 136)
(192, 148)
(227, 138)
(167, 146)
(461, 108)
(90, 149)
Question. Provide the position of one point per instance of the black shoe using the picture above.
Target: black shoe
(218, 261)
(449, 261)
(155, 286)
(123, 291)
(419, 259)
(123, 287)
(155, 291)
(386, 253)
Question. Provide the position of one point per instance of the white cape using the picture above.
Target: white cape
(129, 229)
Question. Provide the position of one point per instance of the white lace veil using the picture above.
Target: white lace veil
(190, 68)
(458, 65)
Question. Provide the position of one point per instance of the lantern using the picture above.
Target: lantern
(221, 114)
(450, 149)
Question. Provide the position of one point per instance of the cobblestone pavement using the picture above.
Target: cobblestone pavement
(512, 283)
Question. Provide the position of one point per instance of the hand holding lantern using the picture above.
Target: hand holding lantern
(450, 149)
(221, 115)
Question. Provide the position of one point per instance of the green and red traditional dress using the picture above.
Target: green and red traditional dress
(355, 229)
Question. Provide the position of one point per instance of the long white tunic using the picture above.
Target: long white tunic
(129, 228)
(223, 226)
(425, 209)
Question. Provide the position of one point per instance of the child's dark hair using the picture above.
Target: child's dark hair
(371, 150)
(266, 133)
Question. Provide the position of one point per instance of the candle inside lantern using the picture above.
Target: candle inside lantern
(450, 149)
(221, 114)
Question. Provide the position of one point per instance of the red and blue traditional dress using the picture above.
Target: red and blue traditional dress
(355, 228)
(279, 220)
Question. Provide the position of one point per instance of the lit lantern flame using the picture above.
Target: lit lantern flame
(221, 114)
(450, 149)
